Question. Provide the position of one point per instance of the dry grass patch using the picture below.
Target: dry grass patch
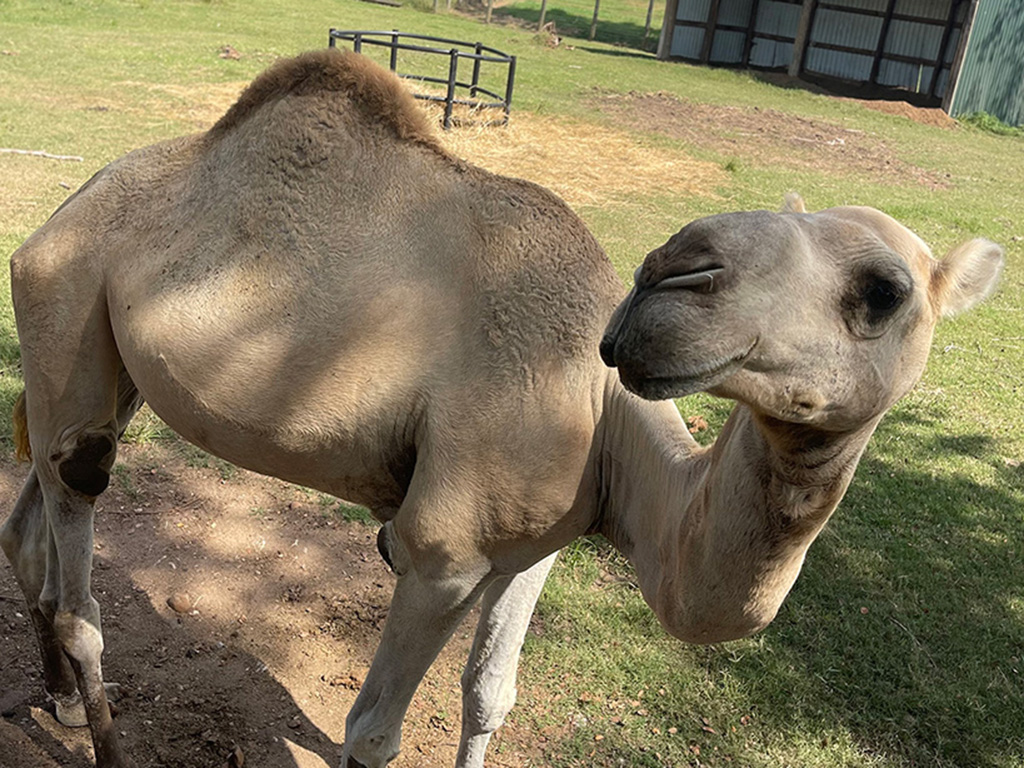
(199, 105)
(33, 187)
(584, 163)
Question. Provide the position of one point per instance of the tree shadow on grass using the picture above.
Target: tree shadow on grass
(617, 53)
(846, 89)
(575, 25)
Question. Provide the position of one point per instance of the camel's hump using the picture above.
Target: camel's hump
(376, 91)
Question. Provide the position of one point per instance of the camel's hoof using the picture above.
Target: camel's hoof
(70, 709)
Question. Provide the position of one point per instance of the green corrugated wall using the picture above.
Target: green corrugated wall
(992, 75)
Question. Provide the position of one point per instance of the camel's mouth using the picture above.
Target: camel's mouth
(684, 383)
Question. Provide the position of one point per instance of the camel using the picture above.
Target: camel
(314, 289)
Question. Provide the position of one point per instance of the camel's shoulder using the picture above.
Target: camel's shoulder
(377, 93)
(546, 284)
(537, 227)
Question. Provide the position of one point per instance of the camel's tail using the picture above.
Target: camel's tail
(22, 450)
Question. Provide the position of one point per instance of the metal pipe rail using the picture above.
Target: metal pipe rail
(478, 54)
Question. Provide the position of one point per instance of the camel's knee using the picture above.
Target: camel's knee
(392, 550)
(84, 461)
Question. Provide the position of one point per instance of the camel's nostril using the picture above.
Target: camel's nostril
(702, 280)
(808, 402)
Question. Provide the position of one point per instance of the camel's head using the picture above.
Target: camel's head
(823, 318)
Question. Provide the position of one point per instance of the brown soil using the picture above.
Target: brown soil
(892, 101)
(767, 137)
(932, 116)
(285, 603)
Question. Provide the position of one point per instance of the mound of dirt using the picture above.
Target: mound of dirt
(932, 116)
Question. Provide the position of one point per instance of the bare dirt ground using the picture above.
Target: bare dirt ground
(932, 116)
(767, 137)
(285, 605)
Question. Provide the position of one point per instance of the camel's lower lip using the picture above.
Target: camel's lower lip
(684, 383)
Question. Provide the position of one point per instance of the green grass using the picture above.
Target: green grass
(983, 121)
(929, 538)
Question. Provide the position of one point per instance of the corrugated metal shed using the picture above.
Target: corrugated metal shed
(991, 78)
(918, 46)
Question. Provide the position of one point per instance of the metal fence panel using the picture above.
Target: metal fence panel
(847, 66)
(901, 74)
(687, 42)
(693, 10)
(929, 9)
(867, 5)
(779, 19)
(992, 76)
(727, 47)
(770, 54)
(847, 29)
(954, 42)
(735, 13)
(908, 38)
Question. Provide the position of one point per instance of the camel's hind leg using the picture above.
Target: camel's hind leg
(27, 541)
(71, 369)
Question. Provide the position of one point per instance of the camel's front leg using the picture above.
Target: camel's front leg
(489, 682)
(424, 613)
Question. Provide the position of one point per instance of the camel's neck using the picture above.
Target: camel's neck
(648, 464)
(717, 535)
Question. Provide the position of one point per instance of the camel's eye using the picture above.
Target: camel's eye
(876, 296)
(882, 298)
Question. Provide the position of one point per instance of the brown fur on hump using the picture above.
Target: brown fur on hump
(378, 93)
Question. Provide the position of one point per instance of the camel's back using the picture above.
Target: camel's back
(316, 266)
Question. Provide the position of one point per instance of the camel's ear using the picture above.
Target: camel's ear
(967, 276)
(793, 203)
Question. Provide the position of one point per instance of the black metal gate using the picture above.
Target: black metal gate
(478, 53)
